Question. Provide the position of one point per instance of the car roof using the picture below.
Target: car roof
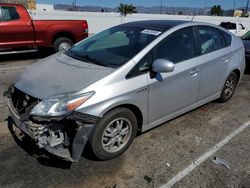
(162, 25)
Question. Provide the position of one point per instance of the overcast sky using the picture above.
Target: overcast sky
(226, 4)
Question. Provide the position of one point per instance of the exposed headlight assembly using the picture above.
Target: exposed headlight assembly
(60, 105)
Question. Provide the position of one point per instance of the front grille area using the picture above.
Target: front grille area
(22, 102)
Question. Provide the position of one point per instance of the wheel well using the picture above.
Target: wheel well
(237, 71)
(136, 111)
(63, 34)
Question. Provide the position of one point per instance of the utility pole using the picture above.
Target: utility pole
(161, 6)
(247, 6)
(74, 5)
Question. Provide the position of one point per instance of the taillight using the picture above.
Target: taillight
(85, 26)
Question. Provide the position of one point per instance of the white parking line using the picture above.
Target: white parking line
(9, 68)
(195, 163)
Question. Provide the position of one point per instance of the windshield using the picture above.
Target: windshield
(113, 47)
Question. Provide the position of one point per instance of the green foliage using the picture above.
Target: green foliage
(216, 10)
(125, 9)
(244, 14)
(180, 13)
(23, 2)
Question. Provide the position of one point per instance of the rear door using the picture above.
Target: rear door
(215, 57)
(16, 31)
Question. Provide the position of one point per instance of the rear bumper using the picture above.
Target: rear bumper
(56, 137)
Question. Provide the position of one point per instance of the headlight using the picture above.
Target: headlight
(60, 104)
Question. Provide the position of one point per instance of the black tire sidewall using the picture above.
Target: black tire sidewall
(60, 40)
(96, 138)
(223, 97)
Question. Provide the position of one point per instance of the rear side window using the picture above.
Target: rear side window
(227, 38)
(210, 39)
(9, 13)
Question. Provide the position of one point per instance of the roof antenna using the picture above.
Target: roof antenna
(192, 18)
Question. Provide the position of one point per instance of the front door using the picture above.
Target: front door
(169, 93)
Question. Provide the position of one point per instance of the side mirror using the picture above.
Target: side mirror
(162, 65)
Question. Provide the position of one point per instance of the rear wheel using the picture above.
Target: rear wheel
(62, 44)
(229, 88)
(113, 133)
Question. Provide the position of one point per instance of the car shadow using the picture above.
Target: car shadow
(29, 146)
(26, 56)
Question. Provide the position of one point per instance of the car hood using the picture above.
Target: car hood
(58, 74)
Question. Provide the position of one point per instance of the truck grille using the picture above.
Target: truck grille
(22, 102)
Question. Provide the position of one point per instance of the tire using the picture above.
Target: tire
(62, 44)
(229, 87)
(111, 137)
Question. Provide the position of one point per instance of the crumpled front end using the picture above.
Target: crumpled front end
(63, 136)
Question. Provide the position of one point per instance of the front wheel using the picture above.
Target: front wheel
(228, 88)
(113, 133)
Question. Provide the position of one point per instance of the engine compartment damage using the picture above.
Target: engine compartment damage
(65, 139)
(63, 136)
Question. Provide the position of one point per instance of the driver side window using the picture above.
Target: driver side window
(177, 47)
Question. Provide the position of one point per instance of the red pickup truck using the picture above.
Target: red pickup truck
(19, 33)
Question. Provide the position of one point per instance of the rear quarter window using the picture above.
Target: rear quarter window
(9, 13)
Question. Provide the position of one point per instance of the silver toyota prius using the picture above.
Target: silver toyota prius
(121, 81)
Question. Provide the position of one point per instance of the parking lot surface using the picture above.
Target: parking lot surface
(167, 154)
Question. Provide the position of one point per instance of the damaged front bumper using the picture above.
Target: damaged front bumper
(64, 137)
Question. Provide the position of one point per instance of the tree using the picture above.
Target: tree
(180, 13)
(125, 9)
(244, 14)
(216, 10)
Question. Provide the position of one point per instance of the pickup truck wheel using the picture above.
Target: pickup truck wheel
(62, 44)
(113, 133)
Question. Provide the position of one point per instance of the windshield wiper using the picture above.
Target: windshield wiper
(92, 60)
(84, 58)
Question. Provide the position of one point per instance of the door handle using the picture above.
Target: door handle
(226, 60)
(194, 72)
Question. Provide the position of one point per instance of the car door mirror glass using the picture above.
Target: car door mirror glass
(162, 65)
